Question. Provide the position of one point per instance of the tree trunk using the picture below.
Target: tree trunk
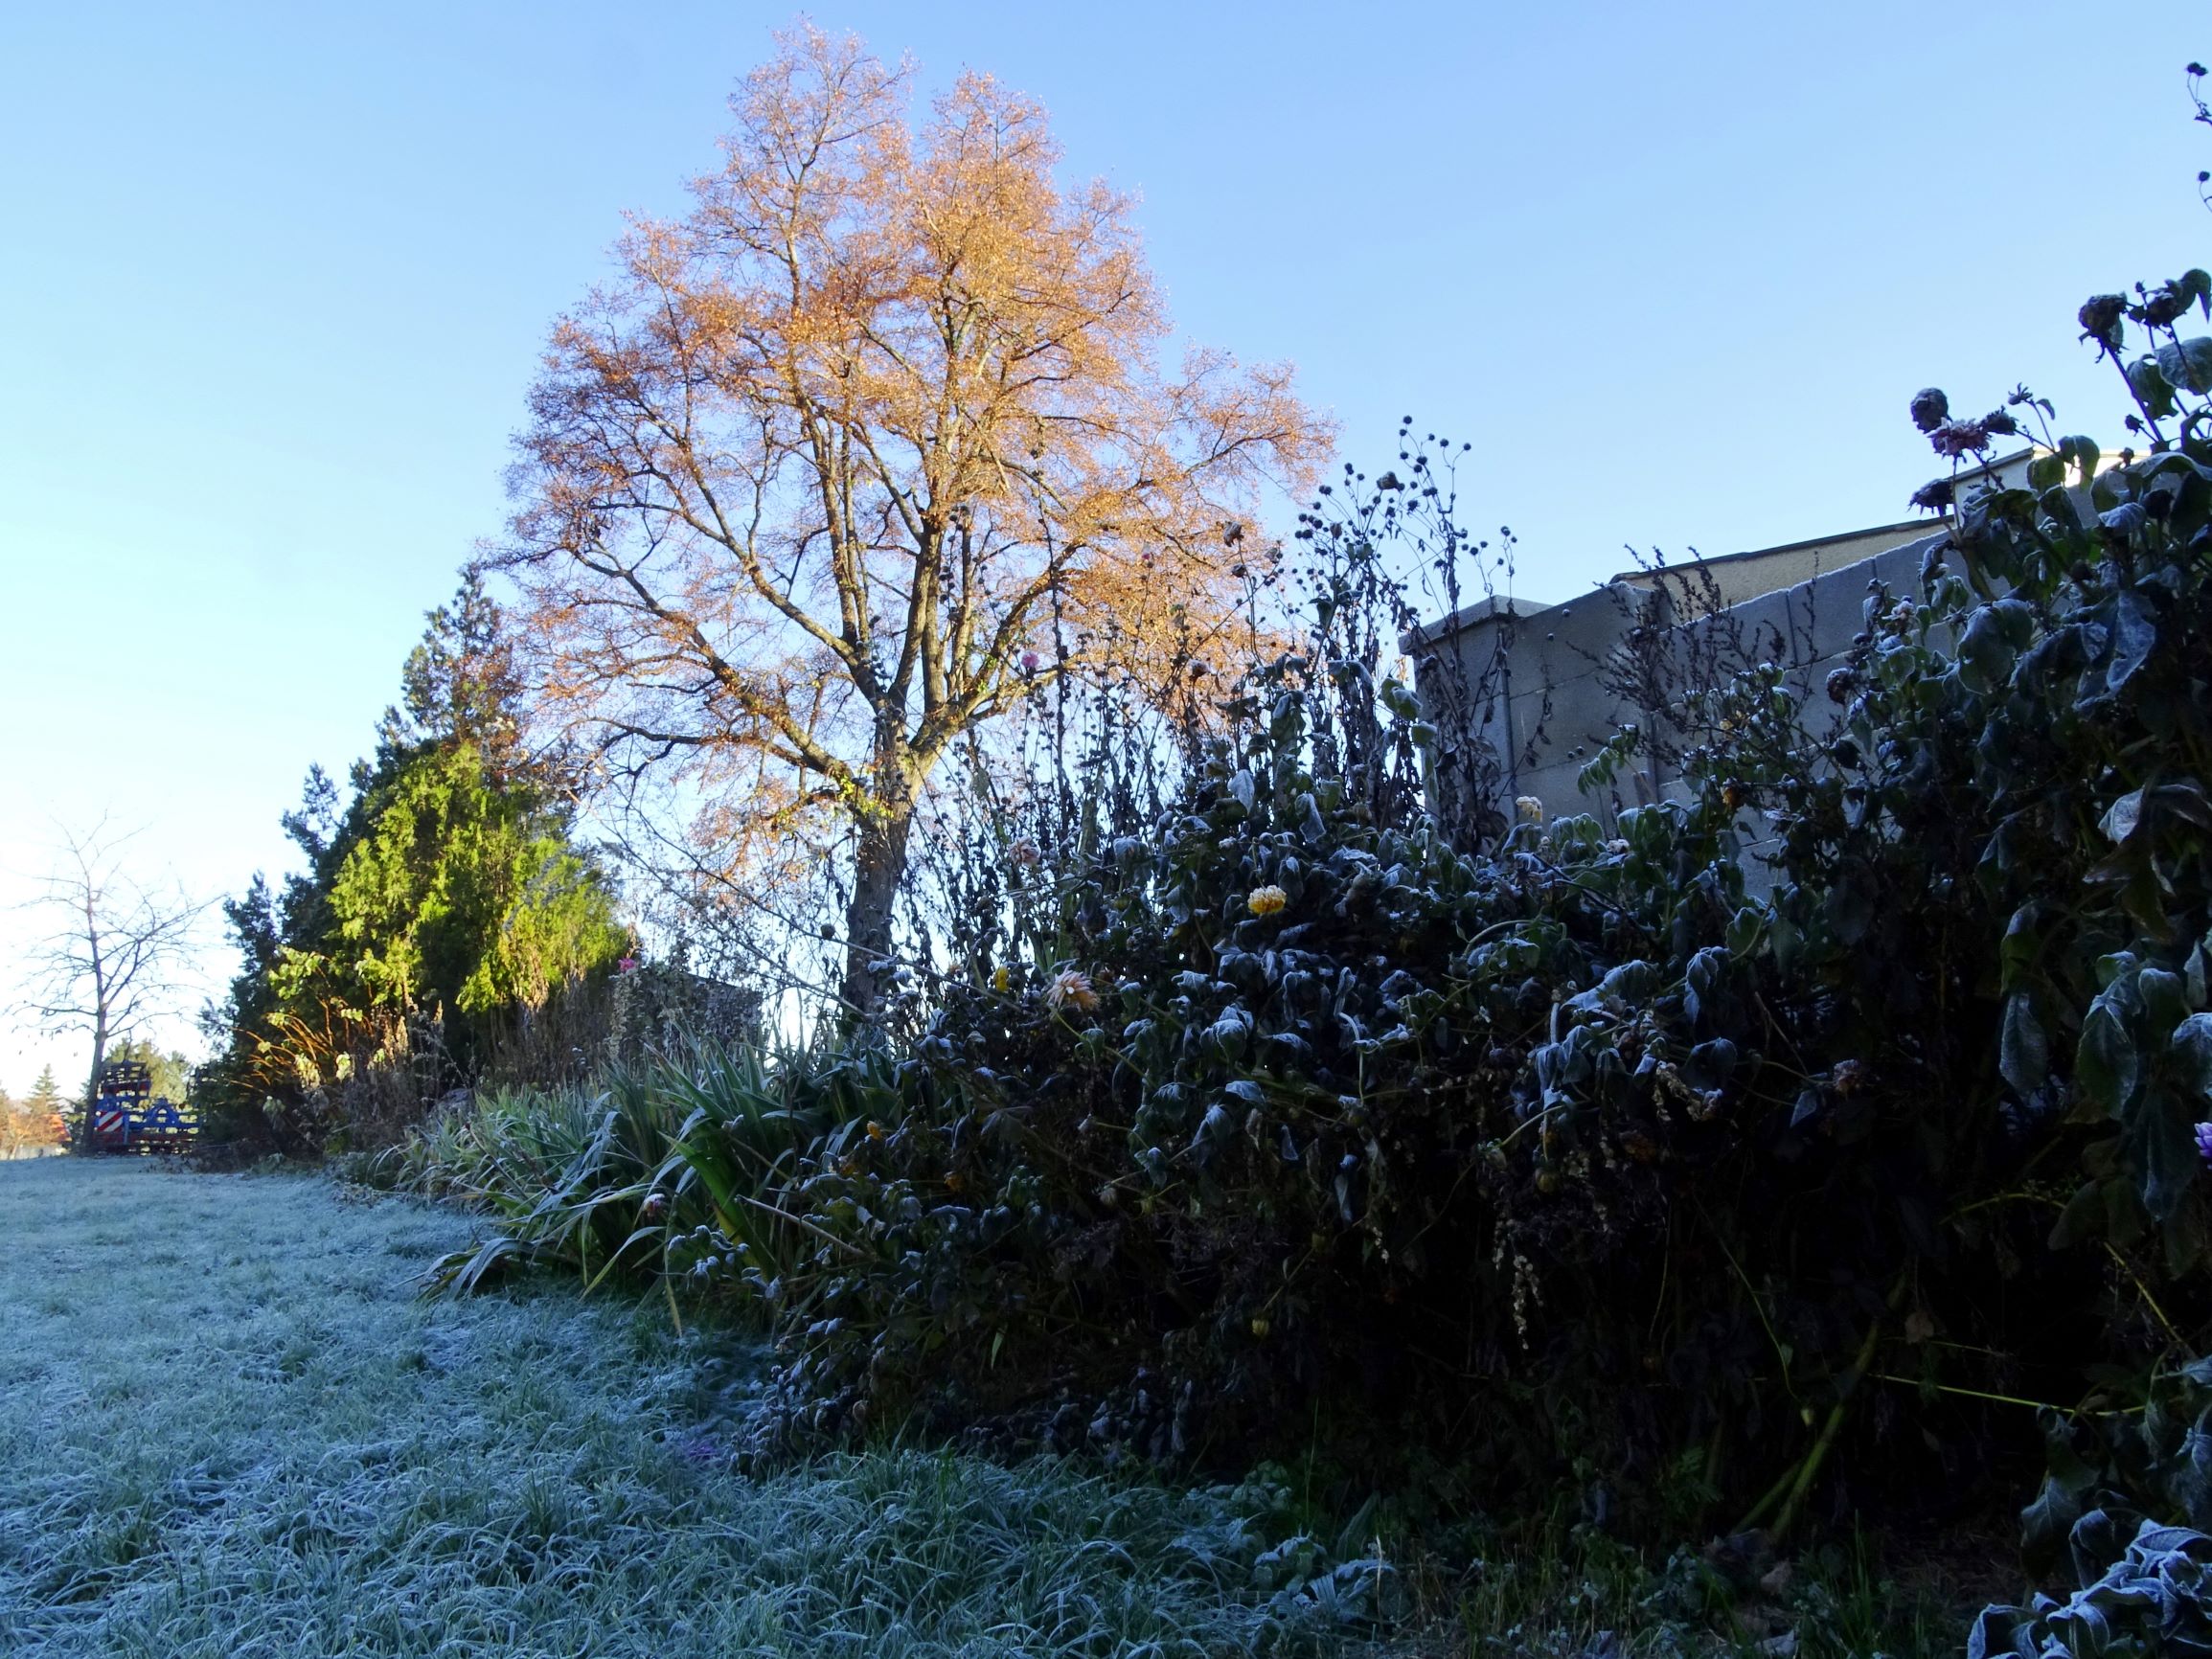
(98, 1015)
(878, 868)
(92, 1083)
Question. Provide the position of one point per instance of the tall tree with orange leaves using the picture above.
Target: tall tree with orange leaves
(803, 491)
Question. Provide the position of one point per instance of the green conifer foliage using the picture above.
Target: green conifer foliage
(446, 896)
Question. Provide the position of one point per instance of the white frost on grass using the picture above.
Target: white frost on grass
(228, 1426)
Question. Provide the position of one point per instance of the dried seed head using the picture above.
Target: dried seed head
(2099, 318)
(1070, 989)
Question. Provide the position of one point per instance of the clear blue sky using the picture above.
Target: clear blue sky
(272, 282)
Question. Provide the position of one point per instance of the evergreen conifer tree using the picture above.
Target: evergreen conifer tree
(45, 1094)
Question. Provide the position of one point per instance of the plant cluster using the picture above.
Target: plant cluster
(2126, 1506)
(2154, 1596)
(442, 908)
(1730, 1159)
(667, 1169)
(1585, 1151)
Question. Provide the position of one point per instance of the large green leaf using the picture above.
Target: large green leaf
(2134, 637)
(2106, 1066)
(2122, 816)
(1985, 652)
(2188, 364)
(2152, 385)
(2193, 1049)
(2162, 1140)
(2082, 453)
(2023, 1053)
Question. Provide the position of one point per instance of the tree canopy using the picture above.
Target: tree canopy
(447, 890)
(869, 447)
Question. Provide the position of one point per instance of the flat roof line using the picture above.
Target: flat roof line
(1921, 525)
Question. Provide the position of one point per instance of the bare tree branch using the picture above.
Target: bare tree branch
(113, 952)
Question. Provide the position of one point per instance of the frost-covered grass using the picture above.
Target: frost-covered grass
(229, 1426)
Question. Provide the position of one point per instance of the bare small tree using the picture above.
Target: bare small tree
(114, 950)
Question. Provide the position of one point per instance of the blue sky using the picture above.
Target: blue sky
(272, 283)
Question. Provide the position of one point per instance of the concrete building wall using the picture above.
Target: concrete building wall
(1737, 577)
(1547, 686)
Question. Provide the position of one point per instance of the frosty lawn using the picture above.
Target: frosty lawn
(228, 1426)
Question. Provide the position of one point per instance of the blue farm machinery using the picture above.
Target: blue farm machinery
(126, 1115)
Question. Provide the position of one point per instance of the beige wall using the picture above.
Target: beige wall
(1743, 575)
(1546, 683)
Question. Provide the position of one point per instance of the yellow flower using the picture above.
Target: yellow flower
(1070, 989)
(1529, 809)
(1002, 979)
(1267, 900)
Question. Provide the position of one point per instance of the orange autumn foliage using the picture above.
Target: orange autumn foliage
(804, 489)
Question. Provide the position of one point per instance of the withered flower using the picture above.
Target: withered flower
(1934, 495)
(1070, 989)
(2099, 318)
